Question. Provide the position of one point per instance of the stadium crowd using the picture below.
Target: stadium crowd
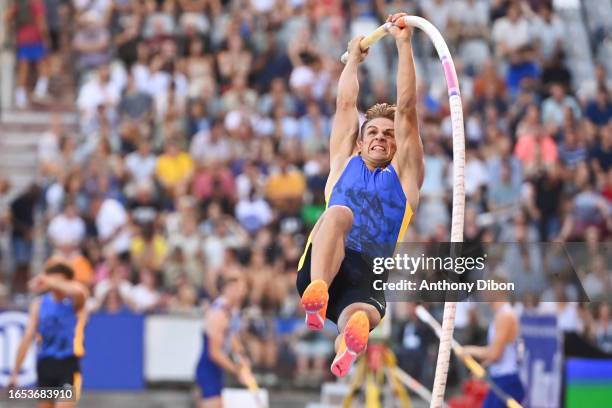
(202, 146)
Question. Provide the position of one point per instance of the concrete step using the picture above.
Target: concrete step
(18, 163)
(12, 138)
(19, 180)
(20, 132)
(69, 118)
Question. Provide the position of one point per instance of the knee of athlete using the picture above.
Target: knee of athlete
(341, 218)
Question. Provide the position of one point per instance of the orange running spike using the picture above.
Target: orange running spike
(314, 301)
(354, 340)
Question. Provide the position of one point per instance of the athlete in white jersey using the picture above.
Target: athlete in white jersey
(500, 355)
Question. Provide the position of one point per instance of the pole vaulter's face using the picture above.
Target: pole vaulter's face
(377, 144)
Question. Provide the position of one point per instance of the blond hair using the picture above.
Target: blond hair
(379, 110)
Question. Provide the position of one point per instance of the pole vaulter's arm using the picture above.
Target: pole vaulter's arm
(409, 157)
(346, 120)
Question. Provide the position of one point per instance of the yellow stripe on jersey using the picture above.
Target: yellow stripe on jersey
(79, 334)
(77, 382)
(405, 221)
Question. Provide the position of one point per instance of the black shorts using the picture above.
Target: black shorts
(59, 373)
(354, 283)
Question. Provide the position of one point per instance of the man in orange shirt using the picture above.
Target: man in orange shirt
(286, 188)
(83, 271)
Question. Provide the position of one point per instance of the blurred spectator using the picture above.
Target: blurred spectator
(589, 209)
(547, 31)
(145, 203)
(91, 41)
(200, 70)
(234, 61)
(98, 91)
(553, 108)
(251, 179)
(470, 20)
(144, 295)
(588, 89)
(113, 302)
(27, 19)
(223, 234)
(135, 104)
(602, 330)
(572, 151)
(141, 164)
(128, 26)
(520, 249)
(239, 96)
(111, 224)
(102, 7)
(266, 295)
(504, 195)
(184, 299)
(67, 229)
(22, 235)
(601, 154)
(314, 129)
(285, 188)
(598, 280)
(207, 146)
(534, 147)
(599, 110)
(546, 201)
(253, 212)
(148, 249)
(49, 154)
(185, 255)
(115, 282)
(212, 180)
(511, 33)
(159, 24)
(475, 171)
(558, 300)
(414, 338)
(277, 95)
(174, 168)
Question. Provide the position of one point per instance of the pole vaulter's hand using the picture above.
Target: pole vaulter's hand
(400, 31)
(354, 49)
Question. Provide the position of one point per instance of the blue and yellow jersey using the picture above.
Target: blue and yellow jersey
(60, 328)
(381, 212)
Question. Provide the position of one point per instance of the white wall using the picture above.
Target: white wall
(172, 348)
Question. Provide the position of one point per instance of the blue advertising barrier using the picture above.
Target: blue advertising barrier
(114, 352)
(541, 368)
(12, 328)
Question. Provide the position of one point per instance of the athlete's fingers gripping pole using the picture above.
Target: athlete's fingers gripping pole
(476, 369)
(370, 39)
